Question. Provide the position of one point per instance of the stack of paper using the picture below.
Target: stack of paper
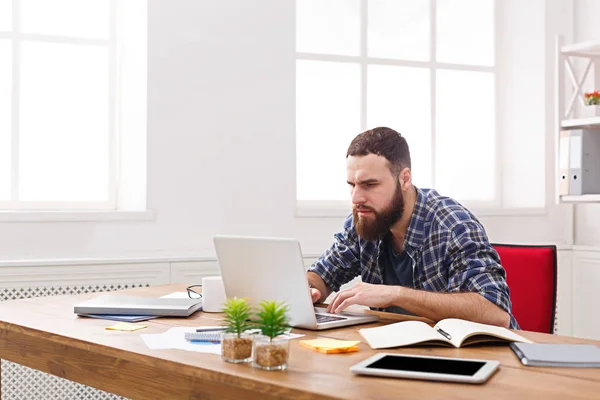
(331, 346)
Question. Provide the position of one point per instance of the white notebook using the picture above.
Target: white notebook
(118, 304)
(557, 354)
(447, 332)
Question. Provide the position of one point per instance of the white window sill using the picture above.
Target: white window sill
(76, 216)
(303, 211)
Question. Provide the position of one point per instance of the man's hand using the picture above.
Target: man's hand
(315, 294)
(364, 294)
(318, 289)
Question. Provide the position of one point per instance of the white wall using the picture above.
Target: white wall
(587, 216)
(221, 143)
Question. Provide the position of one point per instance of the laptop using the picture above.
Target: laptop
(273, 269)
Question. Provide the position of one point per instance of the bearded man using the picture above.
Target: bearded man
(417, 252)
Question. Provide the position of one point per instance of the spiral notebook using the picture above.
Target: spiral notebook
(214, 336)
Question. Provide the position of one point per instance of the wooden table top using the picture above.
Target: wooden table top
(43, 333)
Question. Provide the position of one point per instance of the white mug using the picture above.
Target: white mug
(213, 294)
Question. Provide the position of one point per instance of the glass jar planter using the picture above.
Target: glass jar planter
(236, 349)
(271, 354)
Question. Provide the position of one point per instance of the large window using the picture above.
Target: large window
(426, 68)
(70, 76)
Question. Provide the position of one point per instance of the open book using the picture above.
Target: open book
(447, 332)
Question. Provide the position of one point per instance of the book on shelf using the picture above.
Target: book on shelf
(447, 332)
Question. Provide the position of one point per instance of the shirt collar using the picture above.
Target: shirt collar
(415, 233)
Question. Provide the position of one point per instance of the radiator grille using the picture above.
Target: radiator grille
(23, 383)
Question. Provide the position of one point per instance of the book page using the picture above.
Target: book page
(461, 330)
(401, 334)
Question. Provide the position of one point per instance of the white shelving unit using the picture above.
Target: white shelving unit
(574, 114)
(590, 122)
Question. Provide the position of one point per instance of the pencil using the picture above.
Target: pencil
(210, 329)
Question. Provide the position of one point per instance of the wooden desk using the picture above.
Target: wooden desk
(43, 333)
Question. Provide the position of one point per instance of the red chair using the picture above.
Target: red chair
(531, 278)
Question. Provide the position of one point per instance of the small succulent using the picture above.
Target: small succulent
(237, 312)
(272, 318)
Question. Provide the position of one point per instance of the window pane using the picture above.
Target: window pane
(398, 97)
(327, 119)
(328, 26)
(465, 135)
(5, 15)
(5, 118)
(465, 32)
(399, 29)
(132, 104)
(77, 18)
(64, 123)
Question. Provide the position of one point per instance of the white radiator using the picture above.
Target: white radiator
(23, 383)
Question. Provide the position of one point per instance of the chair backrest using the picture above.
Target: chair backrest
(531, 278)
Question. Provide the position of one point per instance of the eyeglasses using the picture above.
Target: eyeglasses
(192, 294)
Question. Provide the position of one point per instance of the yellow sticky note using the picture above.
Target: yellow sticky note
(125, 326)
(331, 346)
(337, 351)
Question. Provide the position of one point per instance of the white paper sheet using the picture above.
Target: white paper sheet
(174, 338)
(175, 295)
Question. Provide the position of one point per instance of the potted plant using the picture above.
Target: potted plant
(592, 98)
(236, 343)
(271, 350)
(592, 104)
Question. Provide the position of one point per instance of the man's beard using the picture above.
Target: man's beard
(380, 225)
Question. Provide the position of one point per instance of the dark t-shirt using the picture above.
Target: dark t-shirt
(398, 271)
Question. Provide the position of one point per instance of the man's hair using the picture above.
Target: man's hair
(384, 142)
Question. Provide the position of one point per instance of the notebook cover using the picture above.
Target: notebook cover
(122, 318)
(132, 305)
(557, 355)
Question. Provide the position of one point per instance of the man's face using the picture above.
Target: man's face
(377, 198)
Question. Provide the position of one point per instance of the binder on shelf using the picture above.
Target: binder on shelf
(563, 147)
(583, 162)
(575, 152)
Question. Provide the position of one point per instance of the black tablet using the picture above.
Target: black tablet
(427, 367)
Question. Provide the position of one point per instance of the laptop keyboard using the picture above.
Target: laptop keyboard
(328, 318)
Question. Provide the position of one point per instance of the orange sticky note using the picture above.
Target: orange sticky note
(337, 351)
(331, 346)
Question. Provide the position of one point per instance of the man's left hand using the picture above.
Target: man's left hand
(364, 294)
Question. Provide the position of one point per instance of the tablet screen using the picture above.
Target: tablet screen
(430, 365)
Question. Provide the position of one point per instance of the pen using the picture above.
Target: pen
(210, 329)
(444, 333)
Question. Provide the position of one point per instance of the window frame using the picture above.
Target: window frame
(16, 38)
(336, 208)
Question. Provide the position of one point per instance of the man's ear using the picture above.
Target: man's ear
(405, 179)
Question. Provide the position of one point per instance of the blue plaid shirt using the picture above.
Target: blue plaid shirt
(448, 246)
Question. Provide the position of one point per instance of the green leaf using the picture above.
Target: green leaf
(237, 313)
(272, 318)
